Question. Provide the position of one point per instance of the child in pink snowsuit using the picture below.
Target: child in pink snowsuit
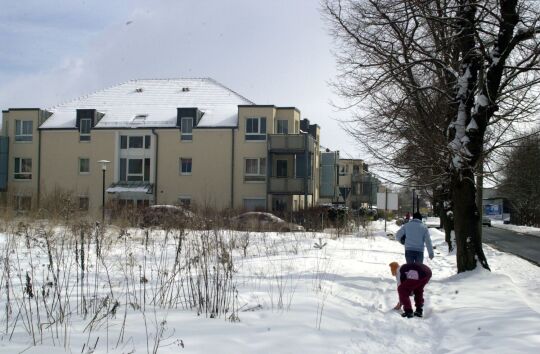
(411, 279)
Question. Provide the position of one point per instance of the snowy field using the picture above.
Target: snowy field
(285, 293)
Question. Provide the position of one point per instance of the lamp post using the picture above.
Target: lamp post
(103, 169)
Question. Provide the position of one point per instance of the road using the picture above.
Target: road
(525, 246)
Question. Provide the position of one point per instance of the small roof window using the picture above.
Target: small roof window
(185, 89)
(139, 89)
(140, 117)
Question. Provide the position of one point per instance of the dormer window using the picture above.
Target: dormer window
(85, 123)
(185, 89)
(84, 129)
(139, 89)
(186, 128)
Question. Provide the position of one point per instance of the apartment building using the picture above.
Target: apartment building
(175, 141)
(358, 188)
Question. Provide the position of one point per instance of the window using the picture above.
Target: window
(184, 200)
(84, 130)
(134, 170)
(281, 167)
(185, 166)
(23, 202)
(254, 203)
(256, 128)
(282, 126)
(84, 202)
(135, 142)
(23, 130)
(84, 165)
(255, 169)
(23, 168)
(186, 128)
(147, 140)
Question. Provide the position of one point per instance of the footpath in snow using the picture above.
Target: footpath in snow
(309, 293)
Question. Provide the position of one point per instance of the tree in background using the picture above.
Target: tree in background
(438, 86)
(521, 181)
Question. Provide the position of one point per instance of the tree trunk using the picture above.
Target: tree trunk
(467, 223)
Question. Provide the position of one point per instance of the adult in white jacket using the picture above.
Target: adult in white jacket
(415, 235)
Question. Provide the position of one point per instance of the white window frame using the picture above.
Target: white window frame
(84, 135)
(81, 197)
(19, 202)
(130, 174)
(186, 135)
(21, 131)
(184, 201)
(190, 166)
(260, 174)
(80, 166)
(279, 127)
(18, 175)
(135, 138)
(256, 136)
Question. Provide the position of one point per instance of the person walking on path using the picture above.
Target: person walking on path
(411, 279)
(414, 235)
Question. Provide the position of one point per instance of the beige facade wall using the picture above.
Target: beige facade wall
(22, 149)
(60, 154)
(217, 180)
(250, 149)
(209, 184)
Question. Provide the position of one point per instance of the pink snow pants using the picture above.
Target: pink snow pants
(409, 287)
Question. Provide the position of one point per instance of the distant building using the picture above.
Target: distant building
(180, 141)
(358, 188)
(329, 185)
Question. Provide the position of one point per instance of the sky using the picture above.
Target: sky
(271, 52)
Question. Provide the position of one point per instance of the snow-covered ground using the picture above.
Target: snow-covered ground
(309, 293)
(528, 230)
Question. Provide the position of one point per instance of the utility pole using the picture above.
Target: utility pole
(385, 206)
(413, 198)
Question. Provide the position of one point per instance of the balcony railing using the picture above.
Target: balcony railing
(289, 185)
(290, 143)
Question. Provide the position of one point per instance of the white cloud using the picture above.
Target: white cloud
(272, 53)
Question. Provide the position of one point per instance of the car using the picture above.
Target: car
(486, 221)
(262, 221)
(166, 215)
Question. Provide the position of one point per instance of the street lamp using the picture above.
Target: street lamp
(103, 169)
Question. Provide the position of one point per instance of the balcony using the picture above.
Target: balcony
(357, 177)
(279, 185)
(290, 143)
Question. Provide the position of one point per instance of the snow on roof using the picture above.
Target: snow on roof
(153, 103)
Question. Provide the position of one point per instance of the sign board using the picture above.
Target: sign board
(392, 201)
(344, 191)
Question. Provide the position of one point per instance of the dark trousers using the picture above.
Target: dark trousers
(409, 287)
(414, 256)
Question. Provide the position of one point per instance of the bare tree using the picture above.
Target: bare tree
(521, 181)
(438, 85)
